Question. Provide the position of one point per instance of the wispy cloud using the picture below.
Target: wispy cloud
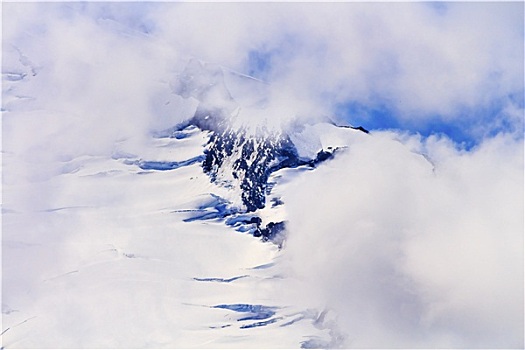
(419, 60)
(448, 63)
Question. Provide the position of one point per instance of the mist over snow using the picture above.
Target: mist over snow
(410, 236)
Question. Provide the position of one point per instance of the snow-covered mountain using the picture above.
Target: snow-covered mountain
(154, 200)
(241, 157)
(176, 244)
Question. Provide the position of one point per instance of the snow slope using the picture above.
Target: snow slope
(113, 261)
(135, 243)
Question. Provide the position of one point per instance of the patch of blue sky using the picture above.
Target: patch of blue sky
(265, 61)
(439, 7)
(133, 15)
(259, 64)
(467, 128)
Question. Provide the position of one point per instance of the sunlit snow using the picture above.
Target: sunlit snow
(115, 262)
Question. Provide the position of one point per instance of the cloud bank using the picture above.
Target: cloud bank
(452, 63)
(410, 253)
(445, 61)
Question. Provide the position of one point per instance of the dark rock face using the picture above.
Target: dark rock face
(271, 231)
(254, 159)
(235, 158)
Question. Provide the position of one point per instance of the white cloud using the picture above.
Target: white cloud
(419, 60)
(97, 82)
(410, 255)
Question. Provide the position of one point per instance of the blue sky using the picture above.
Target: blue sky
(470, 127)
